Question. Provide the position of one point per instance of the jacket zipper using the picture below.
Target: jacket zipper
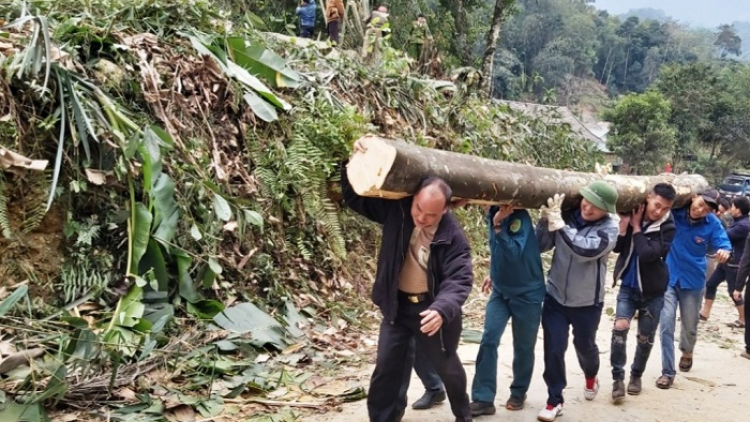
(432, 289)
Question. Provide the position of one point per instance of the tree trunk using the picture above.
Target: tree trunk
(394, 169)
(488, 61)
(458, 10)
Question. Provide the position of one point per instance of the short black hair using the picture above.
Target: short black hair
(723, 202)
(742, 203)
(439, 183)
(421, 15)
(665, 190)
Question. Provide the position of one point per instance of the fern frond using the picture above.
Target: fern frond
(4, 221)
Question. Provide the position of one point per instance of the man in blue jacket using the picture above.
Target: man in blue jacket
(423, 278)
(516, 283)
(306, 13)
(697, 231)
(582, 241)
(737, 232)
(644, 240)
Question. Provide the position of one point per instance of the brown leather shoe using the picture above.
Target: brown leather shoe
(634, 386)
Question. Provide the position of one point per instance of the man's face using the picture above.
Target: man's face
(421, 20)
(735, 211)
(591, 213)
(428, 207)
(656, 207)
(698, 208)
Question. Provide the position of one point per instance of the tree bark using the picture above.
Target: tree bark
(393, 169)
(458, 10)
(488, 61)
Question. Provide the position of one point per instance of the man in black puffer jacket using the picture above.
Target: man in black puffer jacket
(643, 243)
(423, 278)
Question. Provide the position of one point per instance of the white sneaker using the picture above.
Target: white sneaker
(590, 394)
(549, 412)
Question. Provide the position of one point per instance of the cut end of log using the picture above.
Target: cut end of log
(367, 170)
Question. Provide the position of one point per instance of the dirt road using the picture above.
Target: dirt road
(716, 389)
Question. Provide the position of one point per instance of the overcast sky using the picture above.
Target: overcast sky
(710, 13)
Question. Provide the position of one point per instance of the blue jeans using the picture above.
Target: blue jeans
(630, 301)
(526, 311)
(556, 322)
(689, 302)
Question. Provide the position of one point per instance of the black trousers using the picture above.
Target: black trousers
(393, 364)
(333, 31)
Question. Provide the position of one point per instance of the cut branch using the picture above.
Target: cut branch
(393, 169)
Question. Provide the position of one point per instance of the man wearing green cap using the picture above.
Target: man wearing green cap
(582, 238)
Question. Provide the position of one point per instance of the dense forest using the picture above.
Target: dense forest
(571, 53)
(169, 206)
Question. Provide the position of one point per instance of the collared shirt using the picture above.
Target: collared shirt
(687, 257)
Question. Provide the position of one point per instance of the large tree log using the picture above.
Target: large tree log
(393, 169)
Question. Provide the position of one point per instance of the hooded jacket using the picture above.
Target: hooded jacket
(450, 274)
(579, 263)
(307, 14)
(651, 247)
(334, 11)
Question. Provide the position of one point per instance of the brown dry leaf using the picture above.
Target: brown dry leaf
(96, 177)
(88, 306)
(7, 348)
(126, 394)
(181, 413)
(67, 417)
(294, 348)
(10, 160)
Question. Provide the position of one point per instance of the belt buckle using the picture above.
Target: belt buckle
(413, 298)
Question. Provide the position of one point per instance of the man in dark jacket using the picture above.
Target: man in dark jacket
(737, 232)
(423, 278)
(643, 243)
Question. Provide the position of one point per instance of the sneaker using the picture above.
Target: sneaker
(590, 393)
(549, 412)
(745, 354)
(618, 392)
(479, 408)
(634, 386)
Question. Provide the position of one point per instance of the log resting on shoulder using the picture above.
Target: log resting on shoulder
(393, 169)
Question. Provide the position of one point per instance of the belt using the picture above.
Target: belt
(413, 297)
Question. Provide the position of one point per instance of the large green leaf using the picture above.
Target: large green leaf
(9, 302)
(166, 211)
(153, 261)
(263, 62)
(16, 412)
(260, 108)
(242, 75)
(185, 284)
(130, 309)
(247, 318)
(140, 234)
(221, 207)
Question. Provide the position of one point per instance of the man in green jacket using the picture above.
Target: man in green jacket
(417, 37)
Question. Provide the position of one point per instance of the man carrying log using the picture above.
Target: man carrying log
(516, 283)
(582, 240)
(423, 278)
(697, 231)
(643, 243)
